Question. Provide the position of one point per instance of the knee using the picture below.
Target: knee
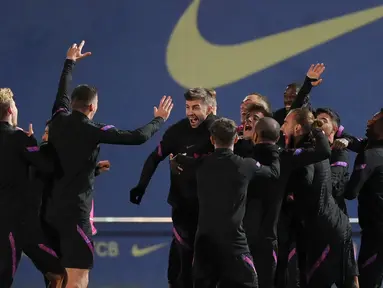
(77, 278)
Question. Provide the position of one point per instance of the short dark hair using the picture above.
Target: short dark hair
(333, 115)
(268, 129)
(296, 85)
(82, 96)
(200, 93)
(263, 99)
(254, 108)
(223, 131)
(303, 117)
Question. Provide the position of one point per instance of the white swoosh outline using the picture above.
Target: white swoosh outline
(193, 61)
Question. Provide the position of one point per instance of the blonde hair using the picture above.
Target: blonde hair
(6, 98)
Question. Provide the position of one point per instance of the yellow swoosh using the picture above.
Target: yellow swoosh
(139, 252)
(193, 61)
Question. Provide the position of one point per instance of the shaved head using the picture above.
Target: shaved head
(267, 129)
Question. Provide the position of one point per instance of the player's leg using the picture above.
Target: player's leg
(184, 230)
(10, 254)
(76, 247)
(370, 260)
(239, 272)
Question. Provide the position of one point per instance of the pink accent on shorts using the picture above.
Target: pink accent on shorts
(94, 230)
(318, 262)
(86, 239)
(291, 254)
(369, 261)
(179, 238)
(275, 257)
(250, 262)
(13, 248)
(48, 250)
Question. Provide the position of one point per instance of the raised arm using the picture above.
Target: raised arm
(62, 101)
(312, 79)
(111, 135)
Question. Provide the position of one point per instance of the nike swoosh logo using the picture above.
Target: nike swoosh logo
(188, 147)
(139, 252)
(192, 61)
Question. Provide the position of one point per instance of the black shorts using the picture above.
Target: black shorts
(74, 242)
(36, 247)
(214, 265)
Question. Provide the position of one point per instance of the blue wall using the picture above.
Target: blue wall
(139, 55)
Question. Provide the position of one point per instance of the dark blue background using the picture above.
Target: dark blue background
(128, 40)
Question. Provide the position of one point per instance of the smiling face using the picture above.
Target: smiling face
(250, 123)
(196, 112)
(289, 95)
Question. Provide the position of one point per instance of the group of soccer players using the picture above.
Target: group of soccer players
(255, 205)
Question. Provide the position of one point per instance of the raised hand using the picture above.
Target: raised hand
(103, 165)
(315, 73)
(29, 132)
(75, 52)
(165, 107)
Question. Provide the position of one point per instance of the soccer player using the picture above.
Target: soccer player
(263, 200)
(366, 183)
(221, 252)
(76, 139)
(339, 157)
(265, 197)
(191, 136)
(45, 186)
(325, 233)
(20, 228)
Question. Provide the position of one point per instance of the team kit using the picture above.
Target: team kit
(258, 203)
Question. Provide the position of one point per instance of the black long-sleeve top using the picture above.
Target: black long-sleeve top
(222, 184)
(180, 138)
(339, 163)
(76, 140)
(366, 183)
(18, 153)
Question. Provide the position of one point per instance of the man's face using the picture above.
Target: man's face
(45, 135)
(250, 99)
(196, 112)
(329, 127)
(289, 128)
(14, 113)
(289, 96)
(373, 127)
(250, 123)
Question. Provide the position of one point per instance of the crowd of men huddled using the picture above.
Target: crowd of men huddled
(261, 204)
